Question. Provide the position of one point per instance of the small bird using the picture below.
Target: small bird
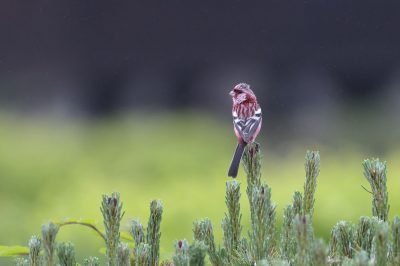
(246, 113)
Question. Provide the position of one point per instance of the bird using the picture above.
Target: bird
(247, 120)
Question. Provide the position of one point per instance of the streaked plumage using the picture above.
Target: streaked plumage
(247, 120)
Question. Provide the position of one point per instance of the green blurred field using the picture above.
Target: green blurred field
(55, 169)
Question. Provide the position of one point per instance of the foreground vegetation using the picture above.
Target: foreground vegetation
(371, 241)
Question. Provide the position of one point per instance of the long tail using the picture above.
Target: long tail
(233, 169)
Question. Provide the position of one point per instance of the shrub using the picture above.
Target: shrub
(372, 241)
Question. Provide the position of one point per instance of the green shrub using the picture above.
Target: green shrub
(372, 241)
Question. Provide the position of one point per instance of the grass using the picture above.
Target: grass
(52, 170)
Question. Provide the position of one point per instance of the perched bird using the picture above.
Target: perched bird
(246, 113)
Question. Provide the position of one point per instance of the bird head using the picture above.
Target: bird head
(241, 93)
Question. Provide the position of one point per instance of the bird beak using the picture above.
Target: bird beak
(231, 93)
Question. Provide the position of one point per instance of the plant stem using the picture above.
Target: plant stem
(123, 255)
(231, 223)
(49, 233)
(396, 239)
(111, 208)
(66, 254)
(262, 235)
(375, 173)
(142, 255)
(365, 233)
(381, 243)
(341, 244)
(311, 166)
(203, 231)
(84, 224)
(153, 231)
(304, 239)
(288, 240)
(197, 252)
(35, 244)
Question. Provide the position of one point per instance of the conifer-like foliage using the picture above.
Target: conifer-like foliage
(35, 244)
(66, 254)
(373, 240)
(91, 261)
(111, 208)
(49, 233)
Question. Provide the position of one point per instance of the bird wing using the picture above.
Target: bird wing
(246, 127)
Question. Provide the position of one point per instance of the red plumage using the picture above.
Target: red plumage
(247, 120)
(245, 109)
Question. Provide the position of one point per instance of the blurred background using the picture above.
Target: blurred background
(132, 96)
